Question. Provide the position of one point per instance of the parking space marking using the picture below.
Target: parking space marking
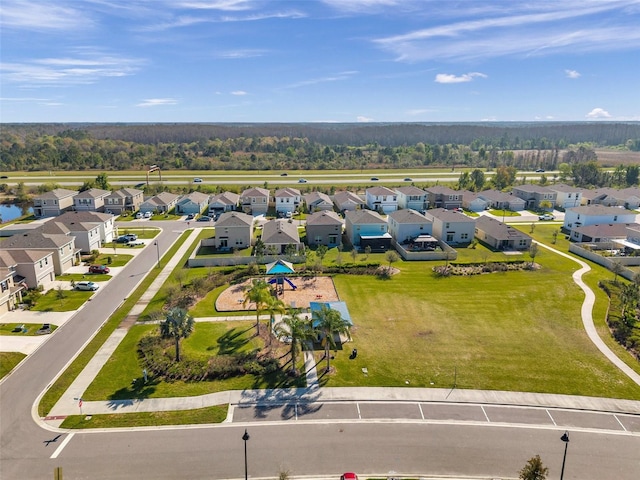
(616, 417)
(62, 445)
(485, 414)
(549, 413)
(421, 412)
(359, 416)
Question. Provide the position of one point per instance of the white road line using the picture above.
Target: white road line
(62, 445)
(421, 413)
(358, 406)
(616, 417)
(296, 410)
(548, 413)
(485, 414)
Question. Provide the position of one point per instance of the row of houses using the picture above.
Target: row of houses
(364, 228)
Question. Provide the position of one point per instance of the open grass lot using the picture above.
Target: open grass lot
(115, 379)
(143, 233)
(215, 414)
(32, 329)
(8, 360)
(517, 331)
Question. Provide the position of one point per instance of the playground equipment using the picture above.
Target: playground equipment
(279, 282)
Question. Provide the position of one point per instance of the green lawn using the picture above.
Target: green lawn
(72, 300)
(114, 381)
(503, 213)
(8, 360)
(517, 331)
(215, 414)
(32, 328)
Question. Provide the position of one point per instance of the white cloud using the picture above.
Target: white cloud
(364, 6)
(525, 29)
(334, 78)
(34, 15)
(87, 67)
(363, 119)
(572, 74)
(157, 102)
(419, 111)
(466, 77)
(225, 5)
(239, 92)
(235, 54)
(598, 113)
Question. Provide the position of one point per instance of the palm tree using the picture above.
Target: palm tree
(299, 330)
(617, 269)
(330, 322)
(272, 306)
(257, 293)
(177, 325)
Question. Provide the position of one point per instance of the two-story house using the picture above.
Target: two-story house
(53, 203)
(566, 195)
(500, 236)
(287, 200)
(255, 201)
(324, 228)
(595, 215)
(62, 247)
(367, 228)
(407, 224)
(29, 269)
(451, 227)
(10, 293)
(234, 230)
(381, 199)
(91, 200)
(92, 229)
(412, 197)
(443, 197)
(123, 200)
(535, 196)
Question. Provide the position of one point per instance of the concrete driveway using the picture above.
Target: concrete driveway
(29, 343)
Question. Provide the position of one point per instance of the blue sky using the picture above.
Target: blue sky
(319, 60)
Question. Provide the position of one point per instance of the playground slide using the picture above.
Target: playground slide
(273, 280)
(290, 283)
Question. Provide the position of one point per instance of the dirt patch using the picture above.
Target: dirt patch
(308, 289)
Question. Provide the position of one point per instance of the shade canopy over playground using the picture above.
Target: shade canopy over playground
(279, 267)
(339, 306)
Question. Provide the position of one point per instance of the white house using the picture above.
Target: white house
(318, 201)
(381, 199)
(411, 197)
(594, 215)
(287, 200)
(473, 202)
(566, 195)
(408, 224)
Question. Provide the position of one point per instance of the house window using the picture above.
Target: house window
(523, 242)
(318, 239)
(464, 236)
(615, 218)
(449, 237)
(568, 195)
(333, 239)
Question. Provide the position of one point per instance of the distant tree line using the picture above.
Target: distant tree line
(306, 147)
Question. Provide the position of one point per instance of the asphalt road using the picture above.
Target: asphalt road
(356, 437)
(20, 437)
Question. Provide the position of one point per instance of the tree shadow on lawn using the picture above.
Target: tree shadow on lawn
(231, 341)
(138, 390)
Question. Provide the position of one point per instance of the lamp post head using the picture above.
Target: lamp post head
(245, 437)
(565, 437)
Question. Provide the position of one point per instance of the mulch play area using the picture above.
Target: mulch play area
(308, 289)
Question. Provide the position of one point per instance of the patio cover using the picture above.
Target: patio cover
(280, 267)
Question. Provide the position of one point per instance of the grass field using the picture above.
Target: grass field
(8, 360)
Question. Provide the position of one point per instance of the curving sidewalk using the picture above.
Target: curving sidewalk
(587, 316)
(68, 403)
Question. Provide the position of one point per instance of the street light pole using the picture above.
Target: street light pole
(565, 439)
(245, 437)
(158, 251)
